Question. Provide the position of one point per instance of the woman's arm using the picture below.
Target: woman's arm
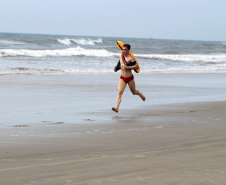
(132, 64)
(136, 66)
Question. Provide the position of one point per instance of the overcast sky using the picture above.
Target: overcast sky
(159, 19)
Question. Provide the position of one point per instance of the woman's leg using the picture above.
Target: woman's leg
(121, 88)
(132, 87)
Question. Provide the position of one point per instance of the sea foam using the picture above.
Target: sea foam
(220, 57)
(63, 52)
(79, 51)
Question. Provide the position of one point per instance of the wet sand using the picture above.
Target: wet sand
(38, 99)
(176, 144)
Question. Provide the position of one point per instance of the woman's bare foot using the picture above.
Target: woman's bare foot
(142, 97)
(114, 109)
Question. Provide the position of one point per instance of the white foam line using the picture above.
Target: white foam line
(78, 51)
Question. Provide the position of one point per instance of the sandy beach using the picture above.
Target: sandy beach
(176, 144)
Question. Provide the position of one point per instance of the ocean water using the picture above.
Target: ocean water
(54, 54)
(58, 79)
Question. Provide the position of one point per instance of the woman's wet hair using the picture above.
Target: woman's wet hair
(127, 46)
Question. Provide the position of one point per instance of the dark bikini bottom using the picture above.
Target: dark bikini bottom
(127, 79)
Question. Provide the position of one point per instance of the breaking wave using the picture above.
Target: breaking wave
(78, 51)
(90, 42)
